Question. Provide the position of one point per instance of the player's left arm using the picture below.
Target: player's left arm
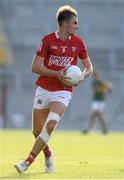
(88, 67)
(86, 62)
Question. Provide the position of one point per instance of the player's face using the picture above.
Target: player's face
(72, 25)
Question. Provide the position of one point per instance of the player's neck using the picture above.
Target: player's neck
(63, 35)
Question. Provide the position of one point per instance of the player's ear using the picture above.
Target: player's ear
(65, 24)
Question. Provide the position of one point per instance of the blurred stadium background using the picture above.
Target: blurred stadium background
(24, 22)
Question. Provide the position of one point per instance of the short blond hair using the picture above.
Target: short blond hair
(65, 13)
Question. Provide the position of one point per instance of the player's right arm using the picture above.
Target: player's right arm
(38, 61)
(39, 68)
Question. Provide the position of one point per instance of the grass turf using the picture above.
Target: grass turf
(77, 156)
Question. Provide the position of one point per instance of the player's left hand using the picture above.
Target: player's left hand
(80, 80)
(87, 72)
(61, 76)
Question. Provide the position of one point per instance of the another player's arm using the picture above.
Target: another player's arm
(88, 68)
(108, 86)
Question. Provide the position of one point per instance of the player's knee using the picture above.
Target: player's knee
(94, 114)
(52, 121)
(98, 113)
(51, 126)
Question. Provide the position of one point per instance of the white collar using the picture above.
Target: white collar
(57, 35)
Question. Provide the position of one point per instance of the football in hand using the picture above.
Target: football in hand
(74, 73)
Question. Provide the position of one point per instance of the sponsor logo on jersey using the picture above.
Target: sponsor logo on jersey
(60, 61)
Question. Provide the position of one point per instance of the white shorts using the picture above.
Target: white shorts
(98, 106)
(43, 98)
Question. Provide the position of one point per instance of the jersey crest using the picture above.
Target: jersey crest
(63, 49)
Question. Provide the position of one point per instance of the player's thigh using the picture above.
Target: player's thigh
(59, 101)
(39, 117)
(57, 107)
(94, 114)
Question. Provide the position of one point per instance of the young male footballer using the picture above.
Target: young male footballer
(56, 51)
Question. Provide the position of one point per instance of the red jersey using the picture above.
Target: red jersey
(59, 54)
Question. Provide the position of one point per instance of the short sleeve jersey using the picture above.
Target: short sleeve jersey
(99, 90)
(58, 55)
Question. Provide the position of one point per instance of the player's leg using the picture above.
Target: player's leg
(103, 122)
(56, 111)
(58, 104)
(64, 98)
(101, 117)
(40, 113)
(91, 121)
(39, 117)
(91, 118)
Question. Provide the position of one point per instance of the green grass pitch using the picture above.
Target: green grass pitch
(77, 156)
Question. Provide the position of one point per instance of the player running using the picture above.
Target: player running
(56, 51)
